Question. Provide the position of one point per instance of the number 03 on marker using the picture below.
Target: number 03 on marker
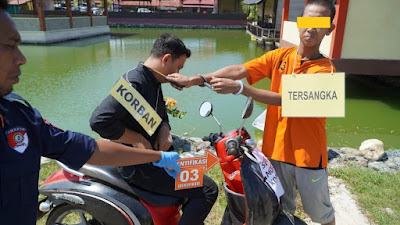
(189, 178)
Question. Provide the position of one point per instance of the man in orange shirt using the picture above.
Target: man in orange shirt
(297, 147)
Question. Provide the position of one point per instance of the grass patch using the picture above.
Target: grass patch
(217, 212)
(376, 192)
(46, 170)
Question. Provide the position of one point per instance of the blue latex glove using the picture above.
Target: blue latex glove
(168, 161)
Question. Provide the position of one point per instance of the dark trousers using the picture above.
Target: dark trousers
(200, 200)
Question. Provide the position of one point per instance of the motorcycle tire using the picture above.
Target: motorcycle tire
(58, 214)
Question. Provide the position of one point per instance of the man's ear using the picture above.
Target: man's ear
(331, 29)
(166, 58)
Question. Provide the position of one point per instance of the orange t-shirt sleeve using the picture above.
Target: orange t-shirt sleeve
(260, 68)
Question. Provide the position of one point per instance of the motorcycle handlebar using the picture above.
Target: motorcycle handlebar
(213, 137)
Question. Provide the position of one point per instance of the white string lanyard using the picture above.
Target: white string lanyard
(158, 89)
(295, 58)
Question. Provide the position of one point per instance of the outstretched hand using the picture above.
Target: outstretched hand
(224, 85)
(176, 78)
(168, 162)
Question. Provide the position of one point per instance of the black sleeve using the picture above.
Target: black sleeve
(71, 148)
(164, 115)
(107, 119)
(166, 119)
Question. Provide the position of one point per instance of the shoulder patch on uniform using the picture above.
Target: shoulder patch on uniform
(18, 139)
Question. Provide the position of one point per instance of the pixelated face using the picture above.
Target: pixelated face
(312, 37)
(11, 57)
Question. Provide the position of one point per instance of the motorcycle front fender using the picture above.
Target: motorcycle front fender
(261, 201)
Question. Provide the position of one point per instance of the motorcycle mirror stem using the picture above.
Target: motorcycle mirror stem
(247, 111)
(205, 110)
(241, 127)
(219, 125)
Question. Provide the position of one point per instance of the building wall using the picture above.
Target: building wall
(295, 9)
(79, 22)
(27, 24)
(58, 23)
(229, 7)
(99, 21)
(372, 30)
(55, 23)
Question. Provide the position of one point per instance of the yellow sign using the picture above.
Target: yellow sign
(136, 105)
(313, 22)
(313, 95)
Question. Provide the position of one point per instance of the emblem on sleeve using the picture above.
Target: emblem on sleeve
(18, 139)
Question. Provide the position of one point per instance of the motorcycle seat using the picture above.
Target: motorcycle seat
(111, 175)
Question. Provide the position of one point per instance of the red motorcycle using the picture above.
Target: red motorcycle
(251, 185)
(98, 195)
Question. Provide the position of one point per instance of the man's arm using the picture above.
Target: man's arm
(134, 138)
(164, 138)
(75, 149)
(234, 72)
(107, 153)
(223, 82)
(227, 86)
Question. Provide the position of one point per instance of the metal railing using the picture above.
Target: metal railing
(263, 33)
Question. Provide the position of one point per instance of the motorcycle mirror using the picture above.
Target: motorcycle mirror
(248, 108)
(205, 109)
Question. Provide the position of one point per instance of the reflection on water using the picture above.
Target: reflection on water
(66, 82)
(372, 111)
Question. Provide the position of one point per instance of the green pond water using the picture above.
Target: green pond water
(67, 81)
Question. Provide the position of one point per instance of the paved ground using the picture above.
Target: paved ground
(347, 212)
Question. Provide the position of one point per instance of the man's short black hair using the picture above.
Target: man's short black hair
(3, 4)
(168, 43)
(325, 3)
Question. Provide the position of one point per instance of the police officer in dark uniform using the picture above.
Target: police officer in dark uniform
(25, 136)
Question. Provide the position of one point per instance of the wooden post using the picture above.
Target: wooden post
(35, 12)
(274, 14)
(69, 12)
(89, 11)
(105, 10)
(338, 33)
(285, 14)
(263, 16)
(39, 7)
